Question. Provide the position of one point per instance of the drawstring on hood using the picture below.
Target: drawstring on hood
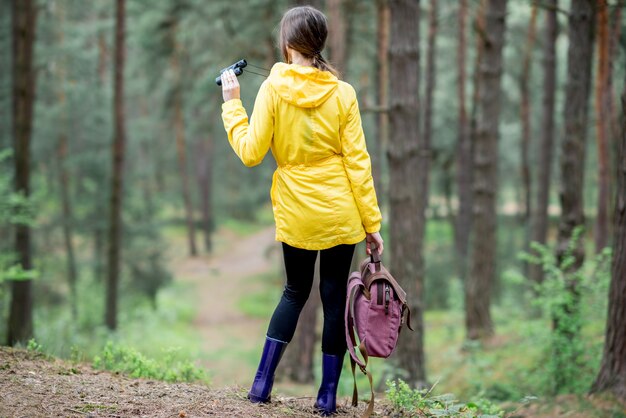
(302, 86)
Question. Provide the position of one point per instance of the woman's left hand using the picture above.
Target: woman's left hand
(374, 240)
(230, 85)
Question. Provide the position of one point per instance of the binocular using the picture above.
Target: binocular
(236, 67)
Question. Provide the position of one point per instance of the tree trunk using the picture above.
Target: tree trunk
(117, 172)
(579, 58)
(181, 151)
(525, 116)
(481, 280)
(431, 72)
(407, 200)
(464, 150)
(20, 327)
(545, 150)
(99, 230)
(67, 223)
(382, 79)
(337, 36)
(66, 206)
(98, 249)
(204, 175)
(612, 374)
(611, 114)
(103, 55)
(601, 229)
(577, 91)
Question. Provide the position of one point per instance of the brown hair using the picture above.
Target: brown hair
(305, 29)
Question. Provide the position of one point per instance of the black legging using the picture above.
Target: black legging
(334, 270)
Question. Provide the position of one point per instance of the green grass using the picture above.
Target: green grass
(174, 366)
(262, 219)
(262, 294)
(162, 337)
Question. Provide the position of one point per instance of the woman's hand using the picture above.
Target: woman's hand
(230, 85)
(374, 241)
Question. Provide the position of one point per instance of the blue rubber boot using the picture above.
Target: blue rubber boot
(326, 403)
(261, 391)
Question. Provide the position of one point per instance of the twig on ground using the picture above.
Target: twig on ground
(76, 411)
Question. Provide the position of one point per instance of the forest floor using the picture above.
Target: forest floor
(36, 385)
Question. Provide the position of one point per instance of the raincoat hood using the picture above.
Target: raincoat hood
(301, 85)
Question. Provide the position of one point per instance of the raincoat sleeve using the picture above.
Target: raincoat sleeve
(358, 166)
(250, 141)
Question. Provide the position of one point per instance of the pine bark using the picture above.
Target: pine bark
(337, 36)
(478, 287)
(204, 175)
(601, 229)
(612, 374)
(612, 115)
(98, 250)
(118, 151)
(545, 150)
(464, 149)
(525, 111)
(67, 217)
(99, 230)
(577, 92)
(181, 152)
(382, 93)
(103, 55)
(178, 121)
(407, 199)
(64, 179)
(578, 86)
(24, 14)
(431, 80)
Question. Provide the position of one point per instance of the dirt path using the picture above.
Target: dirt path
(229, 338)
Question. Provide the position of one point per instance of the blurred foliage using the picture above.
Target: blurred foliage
(74, 57)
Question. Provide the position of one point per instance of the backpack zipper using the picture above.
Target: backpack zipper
(387, 297)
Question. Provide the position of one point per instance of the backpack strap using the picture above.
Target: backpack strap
(406, 308)
(354, 284)
(375, 256)
(355, 393)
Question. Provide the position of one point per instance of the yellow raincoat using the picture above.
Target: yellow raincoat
(322, 191)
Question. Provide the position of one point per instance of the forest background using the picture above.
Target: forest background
(491, 125)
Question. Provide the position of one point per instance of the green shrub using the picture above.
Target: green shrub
(34, 346)
(569, 299)
(129, 361)
(408, 402)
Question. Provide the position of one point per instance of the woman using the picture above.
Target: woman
(322, 191)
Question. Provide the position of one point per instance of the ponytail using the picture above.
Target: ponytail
(321, 64)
